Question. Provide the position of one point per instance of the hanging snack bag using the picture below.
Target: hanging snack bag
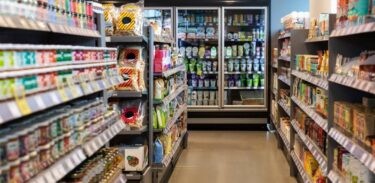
(132, 113)
(109, 15)
(130, 56)
(130, 76)
(130, 19)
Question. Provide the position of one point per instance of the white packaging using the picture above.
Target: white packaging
(136, 157)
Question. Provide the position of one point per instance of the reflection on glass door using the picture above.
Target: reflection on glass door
(198, 32)
(244, 57)
(160, 18)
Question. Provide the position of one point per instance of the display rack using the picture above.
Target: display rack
(122, 96)
(31, 105)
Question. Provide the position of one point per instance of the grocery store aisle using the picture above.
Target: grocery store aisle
(231, 157)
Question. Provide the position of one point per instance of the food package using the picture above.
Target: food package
(159, 88)
(130, 19)
(357, 11)
(130, 56)
(161, 115)
(167, 143)
(132, 113)
(141, 80)
(109, 16)
(158, 151)
(342, 13)
(130, 76)
(136, 157)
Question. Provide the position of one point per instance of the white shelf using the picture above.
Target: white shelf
(284, 80)
(356, 150)
(172, 96)
(283, 138)
(173, 120)
(301, 170)
(360, 29)
(322, 83)
(313, 148)
(38, 70)
(323, 123)
(44, 100)
(362, 85)
(335, 177)
(172, 71)
(99, 141)
(67, 163)
(283, 105)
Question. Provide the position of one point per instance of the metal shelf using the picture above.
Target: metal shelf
(286, 35)
(137, 175)
(313, 148)
(288, 59)
(171, 71)
(283, 137)
(317, 40)
(323, 123)
(244, 72)
(284, 107)
(171, 96)
(44, 100)
(126, 94)
(361, 85)
(140, 131)
(127, 39)
(244, 88)
(322, 83)
(284, 80)
(173, 120)
(357, 151)
(354, 30)
(301, 170)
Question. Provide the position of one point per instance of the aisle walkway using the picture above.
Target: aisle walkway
(232, 157)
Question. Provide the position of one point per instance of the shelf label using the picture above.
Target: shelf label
(20, 97)
(48, 176)
(62, 93)
(54, 98)
(39, 102)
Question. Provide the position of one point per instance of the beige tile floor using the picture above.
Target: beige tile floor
(231, 157)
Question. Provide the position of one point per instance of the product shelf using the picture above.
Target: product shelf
(356, 150)
(127, 39)
(172, 155)
(39, 70)
(354, 30)
(317, 40)
(245, 57)
(126, 94)
(16, 22)
(286, 35)
(284, 80)
(284, 107)
(283, 138)
(313, 148)
(120, 178)
(244, 88)
(140, 131)
(358, 84)
(171, 72)
(245, 72)
(322, 83)
(70, 161)
(203, 88)
(171, 96)
(131, 176)
(173, 120)
(11, 109)
(242, 40)
(301, 170)
(335, 176)
(288, 59)
(323, 123)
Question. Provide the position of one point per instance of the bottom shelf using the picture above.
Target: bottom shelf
(335, 177)
(301, 170)
(173, 154)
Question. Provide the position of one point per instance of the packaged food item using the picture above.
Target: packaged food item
(159, 89)
(14, 172)
(130, 19)
(342, 13)
(132, 113)
(130, 56)
(158, 151)
(130, 76)
(136, 157)
(357, 10)
(109, 18)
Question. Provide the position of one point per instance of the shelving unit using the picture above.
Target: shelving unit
(67, 91)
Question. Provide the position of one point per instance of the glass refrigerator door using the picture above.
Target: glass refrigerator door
(161, 16)
(198, 38)
(244, 57)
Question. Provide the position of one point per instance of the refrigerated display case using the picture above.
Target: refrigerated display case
(198, 38)
(244, 63)
(161, 16)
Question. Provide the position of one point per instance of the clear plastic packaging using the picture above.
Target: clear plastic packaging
(109, 18)
(130, 19)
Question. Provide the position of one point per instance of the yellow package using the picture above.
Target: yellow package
(130, 19)
(167, 143)
(109, 15)
(130, 76)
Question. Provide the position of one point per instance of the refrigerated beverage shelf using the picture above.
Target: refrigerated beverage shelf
(202, 88)
(244, 72)
(244, 88)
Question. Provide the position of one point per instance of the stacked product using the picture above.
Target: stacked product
(125, 20)
(203, 25)
(296, 20)
(319, 28)
(315, 65)
(352, 13)
(285, 127)
(309, 163)
(32, 145)
(311, 129)
(244, 19)
(357, 120)
(311, 95)
(104, 167)
(255, 49)
(285, 97)
(361, 67)
(73, 13)
(349, 168)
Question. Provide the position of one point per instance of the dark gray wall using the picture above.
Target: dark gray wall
(280, 8)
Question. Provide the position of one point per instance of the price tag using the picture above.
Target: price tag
(9, 22)
(24, 23)
(62, 93)
(76, 159)
(2, 22)
(48, 176)
(55, 172)
(39, 102)
(12, 106)
(20, 97)
(54, 98)
(69, 163)
(61, 169)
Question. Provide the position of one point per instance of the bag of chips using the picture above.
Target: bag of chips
(130, 76)
(109, 16)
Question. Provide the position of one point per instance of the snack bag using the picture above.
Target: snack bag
(133, 113)
(140, 72)
(130, 19)
(158, 151)
(358, 9)
(130, 76)
(109, 15)
(130, 56)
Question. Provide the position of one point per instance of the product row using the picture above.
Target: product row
(103, 167)
(22, 56)
(166, 144)
(165, 87)
(203, 81)
(296, 20)
(166, 58)
(202, 98)
(244, 80)
(200, 67)
(244, 19)
(353, 13)
(162, 114)
(244, 65)
(124, 20)
(316, 65)
(74, 13)
(253, 35)
(209, 32)
(361, 67)
(319, 28)
(35, 143)
(253, 49)
(199, 52)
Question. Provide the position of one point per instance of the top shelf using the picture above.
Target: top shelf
(317, 40)
(355, 30)
(284, 36)
(15, 22)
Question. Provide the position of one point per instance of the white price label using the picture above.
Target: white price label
(54, 98)
(61, 169)
(55, 172)
(81, 155)
(76, 159)
(12, 106)
(48, 176)
(69, 163)
(39, 102)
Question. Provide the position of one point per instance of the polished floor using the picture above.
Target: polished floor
(231, 157)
